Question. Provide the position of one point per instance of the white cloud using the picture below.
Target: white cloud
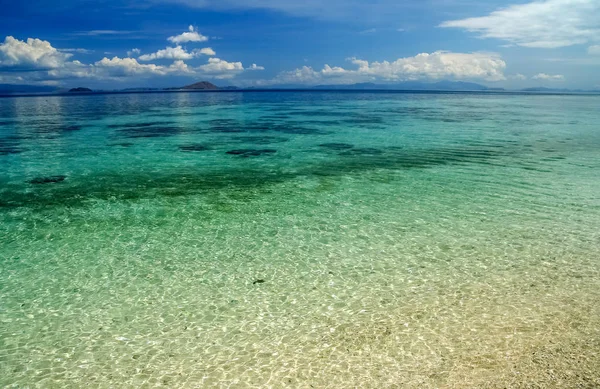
(434, 66)
(78, 51)
(102, 32)
(37, 61)
(121, 67)
(222, 69)
(549, 77)
(544, 24)
(594, 50)
(369, 31)
(517, 76)
(30, 55)
(180, 67)
(192, 35)
(176, 53)
(133, 52)
(206, 51)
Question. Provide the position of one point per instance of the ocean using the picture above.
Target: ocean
(300, 239)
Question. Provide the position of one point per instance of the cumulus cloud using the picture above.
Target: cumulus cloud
(221, 69)
(133, 52)
(544, 24)
(121, 67)
(594, 50)
(37, 61)
(206, 51)
(33, 54)
(192, 35)
(437, 65)
(549, 77)
(176, 53)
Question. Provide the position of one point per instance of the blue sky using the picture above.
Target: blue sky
(158, 43)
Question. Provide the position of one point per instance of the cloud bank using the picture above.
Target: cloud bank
(176, 53)
(541, 24)
(192, 35)
(35, 60)
(33, 54)
(435, 66)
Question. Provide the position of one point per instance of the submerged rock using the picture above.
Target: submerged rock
(262, 140)
(337, 146)
(47, 180)
(362, 151)
(194, 147)
(245, 153)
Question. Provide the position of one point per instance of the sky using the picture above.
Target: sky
(114, 44)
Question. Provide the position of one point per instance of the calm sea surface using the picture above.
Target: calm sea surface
(302, 240)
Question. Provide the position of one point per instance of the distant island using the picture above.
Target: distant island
(80, 89)
(444, 85)
(202, 85)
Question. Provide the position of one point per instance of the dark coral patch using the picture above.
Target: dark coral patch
(226, 129)
(134, 125)
(47, 180)
(150, 132)
(362, 151)
(194, 147)
(245, 153)
(71, 128)
(336, 146)
(10, 145)
(261, 140)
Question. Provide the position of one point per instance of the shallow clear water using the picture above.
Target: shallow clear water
(300, 240)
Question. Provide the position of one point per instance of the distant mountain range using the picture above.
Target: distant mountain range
(10, 89)
(414, 85)
(18, 89)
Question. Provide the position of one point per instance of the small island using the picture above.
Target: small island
(80, 89)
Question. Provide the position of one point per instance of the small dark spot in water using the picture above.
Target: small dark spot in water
(260, 281)
(72, 128)
(262, 140)
(48, 180)
(226, 129)
(362, 151)
(223, 122)
(336, 146)
(275, 117)
(134, 125)
(149, 132)
(5, 150)
(194, 147)
(245, 153)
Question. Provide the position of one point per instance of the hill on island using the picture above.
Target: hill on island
(80, 89)
(201, 85)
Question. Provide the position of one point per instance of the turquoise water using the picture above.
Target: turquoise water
(303, 240)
